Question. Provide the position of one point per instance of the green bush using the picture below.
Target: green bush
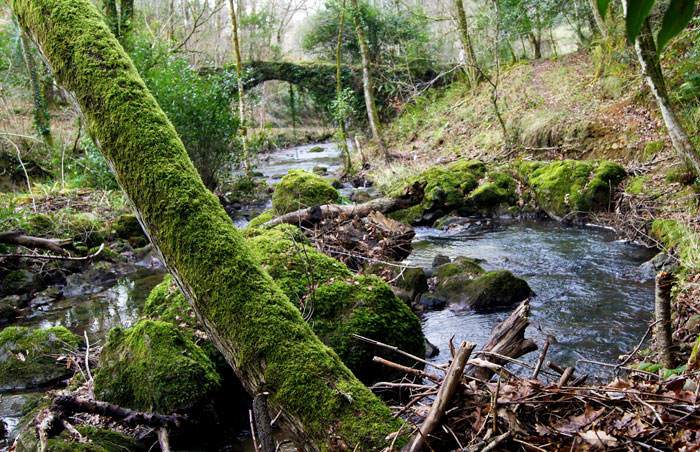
(198, 105)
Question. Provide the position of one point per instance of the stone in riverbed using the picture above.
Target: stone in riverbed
(320, 170)
(154, 366)
(408, 283)
(28, 356)
(491, 290)
(300, 189)
(10, 308)
(317, 149)
(463, 284)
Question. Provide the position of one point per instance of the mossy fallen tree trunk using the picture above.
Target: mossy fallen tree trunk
(261, 334)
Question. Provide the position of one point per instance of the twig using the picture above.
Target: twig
(398, 350)
(540, 360)
(498, 440)
(406, 369)
(53, 257)
(447, 389)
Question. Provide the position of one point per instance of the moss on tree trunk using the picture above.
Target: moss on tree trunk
(252, 323)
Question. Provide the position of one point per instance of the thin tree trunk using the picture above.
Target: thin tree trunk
(260, 333)
(473, 74)
(342, 132)
(126, 18)
(600, 23)
(109, 9)
(651, 69)
(42, 120)
(536, 45)
(662, 311)
(235, 42)
(367, 87)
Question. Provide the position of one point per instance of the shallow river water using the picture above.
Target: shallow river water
(592, 298)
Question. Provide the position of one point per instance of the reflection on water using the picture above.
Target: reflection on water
(95, 313)
(591, 295)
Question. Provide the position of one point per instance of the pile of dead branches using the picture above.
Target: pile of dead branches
(496, 402)
(356, 241)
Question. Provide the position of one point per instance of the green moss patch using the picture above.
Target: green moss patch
(497, 190)
(337, 302)
(28, 356)
(300, 189)
(154, 366)
(571, 186)
(677, 237)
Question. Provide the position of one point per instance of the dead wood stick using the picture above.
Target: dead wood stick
(496, 441)
(507, 339)
(662, 310)
(18, 238)
(556, 368)
(406, 369)
(412, 196)
(565, 377)
(452, 381)
(540, 360)
(398, 350)
(262, 423)
(68, 404)
(53, 257)
(253, 434)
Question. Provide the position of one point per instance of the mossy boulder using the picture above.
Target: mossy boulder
(98, 440)
(154, 366)
(300, 189)
(337, 302)
(446, 188)
(460, 266)
(317, 149)
(263, 218)
(19, 282)
(463, 284)
(28, 356)
(497, 190)
(364, 305)
(86, 228)
(408, 283)
(10, 308)
(166, 303)
(569, 187)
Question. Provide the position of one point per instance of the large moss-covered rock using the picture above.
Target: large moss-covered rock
(154, 366)
(492, 290)
(572, 186)
(166, 303)
(408, 283)
(445, 190)
(98, 440)
(28, 356)
(496, 190)
(337, 302)
(127, 227)
(19, 282)
(300, 189)
(464, 284)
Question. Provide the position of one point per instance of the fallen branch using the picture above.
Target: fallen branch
(53, 257)
(508, 339)
(312, 215)
(447, 389)
(69, 404)
(18, 238)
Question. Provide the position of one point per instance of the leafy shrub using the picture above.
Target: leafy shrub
(198, 105)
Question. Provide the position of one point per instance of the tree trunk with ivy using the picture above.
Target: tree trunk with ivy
(653, 75)
(367, 86)
(259, 332)
(342, 132)
(42, 119)
(236, 45)
(599, 21)
(473, 73)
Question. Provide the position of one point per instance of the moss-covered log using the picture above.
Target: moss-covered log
(252, 323)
